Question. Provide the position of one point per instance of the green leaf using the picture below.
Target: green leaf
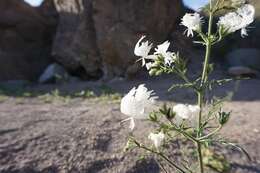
(180, 86)
(153, 117)
(238, 147)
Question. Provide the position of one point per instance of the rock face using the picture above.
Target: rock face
(248, 57)
(25, 39)
(75, 41)
(119, 24)
(244, 61)
(93, 38)
(53, 73)
(99, 35)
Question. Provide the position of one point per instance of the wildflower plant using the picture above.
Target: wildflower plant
(200, 123)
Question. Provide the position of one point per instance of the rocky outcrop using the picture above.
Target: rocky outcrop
(93, 38)
(119, 24)
(75, 41)
(244, 61)
(25, 39)
(99, 35)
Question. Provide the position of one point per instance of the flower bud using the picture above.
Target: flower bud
(130, 145)
(169, 114)
(223, 117)
(152, 72)
(153, 117)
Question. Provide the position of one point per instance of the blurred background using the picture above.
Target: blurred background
(94, 39)
(65, 65)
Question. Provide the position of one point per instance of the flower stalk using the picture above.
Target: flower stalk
(184, 119)
(201, 93)
(163, 156)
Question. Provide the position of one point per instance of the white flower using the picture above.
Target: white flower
(162, 49)
(169, 58)
(194, 110)
(181, 111)
(157, 139)
(192, 21)
(137, 104)
(240, 19)
(186, 112)
(149, 65)
(142, 49)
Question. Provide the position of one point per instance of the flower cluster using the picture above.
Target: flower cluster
(193, 22)
(197, 123)
(137, 104)
(142, 49)
(240, 19)
(186, 112)
(157, 138)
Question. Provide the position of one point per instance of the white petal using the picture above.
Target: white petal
(157, 139)
(132, 124)
(182, 111)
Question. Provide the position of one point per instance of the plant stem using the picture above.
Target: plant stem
(161, 155)
(210, 134)
(201, 93)
(200, 157)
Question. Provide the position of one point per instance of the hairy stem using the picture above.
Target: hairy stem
(162, 156)
(210, 134)
(201, 93)
(159, 154)
(200, 157)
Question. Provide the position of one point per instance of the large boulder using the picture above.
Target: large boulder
(99, 35)
(119, 24)
(75, 41)
(25, 41)
(244, 61)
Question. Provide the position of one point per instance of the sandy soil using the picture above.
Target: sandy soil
(85, 135)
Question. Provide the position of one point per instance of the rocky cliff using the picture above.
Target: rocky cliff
(90, 38)
(25, 40)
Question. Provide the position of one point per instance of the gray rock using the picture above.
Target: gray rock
(74, 79)
(54, 73)
(14, 84)
(74, 45)
(246, 57)
(96, 36)
(119, 24)
(25, 41)
(241, 70)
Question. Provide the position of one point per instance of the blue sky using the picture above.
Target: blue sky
(34, 2)
(195, 4)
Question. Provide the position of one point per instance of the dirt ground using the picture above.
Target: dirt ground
(84, 135)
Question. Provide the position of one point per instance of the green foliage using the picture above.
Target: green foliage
(167, 112)
(223, 117)
(215, 161)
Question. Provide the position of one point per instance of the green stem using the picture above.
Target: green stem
(200, 157)
(201, 93)
(162, 156)
(182, 132)
(210, 134)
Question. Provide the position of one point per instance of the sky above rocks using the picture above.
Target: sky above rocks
(194, 4)
(34, 2)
